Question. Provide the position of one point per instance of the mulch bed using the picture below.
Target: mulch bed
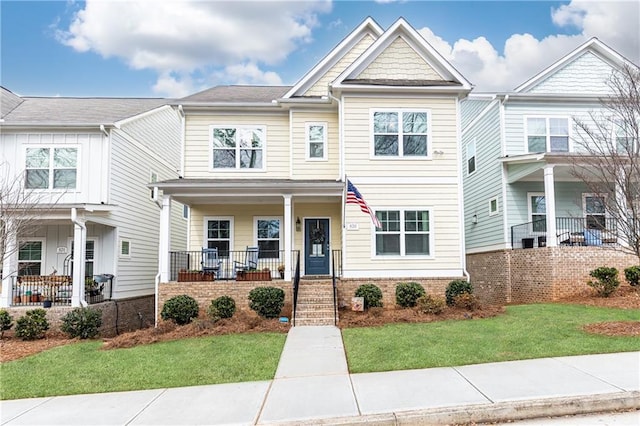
(12, 348)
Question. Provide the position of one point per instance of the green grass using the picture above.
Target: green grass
(84, 368)
(524, 332)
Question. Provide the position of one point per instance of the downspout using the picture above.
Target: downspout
(341, 171)
(157, 279)
(74, 219)
(183, 129)
(463, 246)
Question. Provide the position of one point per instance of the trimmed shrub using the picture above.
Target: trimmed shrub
(466, 301)
(32, 325)
(222, 307)
(606, 281)
(82, 322)
(180, 309)
(267, 301)
(372, 295)
(632, 275)
(456, 288)
(430, 305)
(6, 322)
(408, 293)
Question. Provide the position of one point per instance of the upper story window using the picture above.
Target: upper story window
(238, 147)
(316, 137)
(51, 168)
(471, 157)
(403, 233)
(547, 134)
(401, 133)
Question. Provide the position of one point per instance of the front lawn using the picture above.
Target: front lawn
(84, 368)
(523, 332)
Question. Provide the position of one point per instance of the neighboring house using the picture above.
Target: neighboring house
(86, 163)
(518, 152)
(268, 166)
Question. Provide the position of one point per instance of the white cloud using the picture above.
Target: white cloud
(523, 56)
(249, 73)
(180, 37)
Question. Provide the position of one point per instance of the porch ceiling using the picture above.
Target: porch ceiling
(530, 167)
(250, 191)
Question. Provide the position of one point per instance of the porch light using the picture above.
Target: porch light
(474, 219)
(298, 224)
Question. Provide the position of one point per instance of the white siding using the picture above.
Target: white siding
(92, 163)
(586, 75)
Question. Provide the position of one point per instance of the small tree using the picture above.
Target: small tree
(608, 142)
(606, 280)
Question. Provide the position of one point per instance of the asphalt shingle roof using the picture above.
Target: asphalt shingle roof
(72, 111)
(237, 94)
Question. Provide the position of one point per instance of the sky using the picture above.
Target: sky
(173, 48)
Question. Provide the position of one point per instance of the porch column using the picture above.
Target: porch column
(622, 209)
(288, 235)
(79, 259)
(9, 264)
(550, 201)
(164, 244)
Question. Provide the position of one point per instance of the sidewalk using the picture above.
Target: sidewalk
(312, 385)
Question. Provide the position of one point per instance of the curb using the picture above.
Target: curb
(498, 412)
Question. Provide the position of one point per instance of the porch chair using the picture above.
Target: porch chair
(210, 261)
(250, 260)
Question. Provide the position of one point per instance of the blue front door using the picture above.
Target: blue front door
(316, 243)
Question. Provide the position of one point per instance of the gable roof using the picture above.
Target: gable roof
(57, 111)
(8, 101)
(368, 27)
(442, 74)
(593, 45)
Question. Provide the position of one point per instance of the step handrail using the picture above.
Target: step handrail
(296, 285)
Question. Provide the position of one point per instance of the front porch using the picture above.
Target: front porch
(57, 290)
(569, 231)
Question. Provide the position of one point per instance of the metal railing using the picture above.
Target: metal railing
(296, 286)
(593, 230)
(56, 290)
(336, 272)
(190, 262)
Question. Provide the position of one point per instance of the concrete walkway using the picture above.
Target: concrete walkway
(312, 385)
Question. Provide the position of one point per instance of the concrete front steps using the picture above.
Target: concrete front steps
(315, 302)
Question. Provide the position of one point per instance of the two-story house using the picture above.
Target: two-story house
(83, 165)
(268, 167)
(533, 228)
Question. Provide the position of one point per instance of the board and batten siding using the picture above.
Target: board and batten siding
(358, 138)
(159, 131)
(443, 202)
(515, 115)
(198, 145)
(485, 183)
(137, 217)
(92, 167)
(315, 169)
(586, 75)
(321, 87)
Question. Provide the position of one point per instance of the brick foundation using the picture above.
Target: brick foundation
(118, 316)
(540, 274)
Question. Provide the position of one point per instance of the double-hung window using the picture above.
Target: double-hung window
(471, 157)
(218, 235)
(538, 211)
(268, 237)
(316, 137)
(594, 209)
(404, 233)
(30, 258)
(238, 147)
(89, 255)
(401, 133)
(51, 168)
(547, 134)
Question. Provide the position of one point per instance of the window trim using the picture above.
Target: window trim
(238, 169)
(548, 135)
(400, 156)
(205, 229)
(281, 237)
(42, 258)
(497, 210)
(51, 168)
(307, 143)
(475, 157)
(121, 241)
(403, 255)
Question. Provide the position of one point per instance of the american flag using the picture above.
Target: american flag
(354, 197)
